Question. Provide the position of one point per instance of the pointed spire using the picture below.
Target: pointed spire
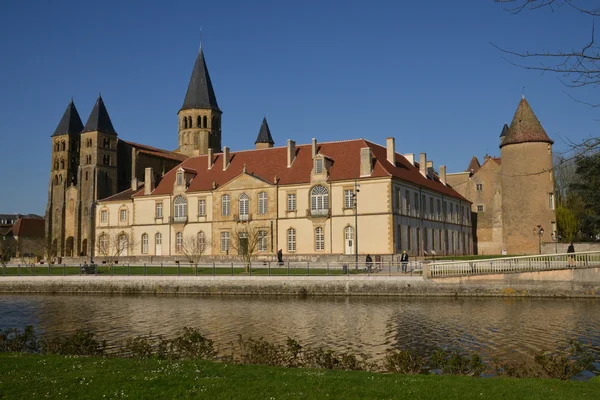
(264, 134)
(525, 127)
(504, 131)
(70, 123)
(200, 93)
(99, 119)
(473, 165)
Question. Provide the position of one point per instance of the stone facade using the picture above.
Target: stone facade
(512, 195)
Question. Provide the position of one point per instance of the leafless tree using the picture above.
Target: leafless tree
(111, 246)
(249, 238)
(31, 249)
(193, 247)
(8, 249)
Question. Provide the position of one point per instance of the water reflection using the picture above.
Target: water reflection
(510, 328)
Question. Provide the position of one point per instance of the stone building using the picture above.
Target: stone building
(513, 195)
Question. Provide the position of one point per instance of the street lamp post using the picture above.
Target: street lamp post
(539, 231)
(556, 237)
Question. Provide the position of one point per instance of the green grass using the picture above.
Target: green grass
(25, 376)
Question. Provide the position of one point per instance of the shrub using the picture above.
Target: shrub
(15, 340)
(456, 364)
(404, 362)
(192, 344)
(81, 343)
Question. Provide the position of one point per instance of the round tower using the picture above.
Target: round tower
(527, 184)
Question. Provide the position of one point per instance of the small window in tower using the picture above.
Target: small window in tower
(184, 124)
(55, 165)
(189, 122)
(62, 164)
(205, 122)
(86, 175)
(551, 200)
(199, 122)
(106, 143)
(57, 147)
(63, 145)
(479, 187)
(106, 160)
(480, 208)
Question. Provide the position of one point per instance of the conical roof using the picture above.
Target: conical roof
(264, 134)
(504, 131)
(474, 165)
(99, 119)
(70, 123)
(525, 127)
(200, 93)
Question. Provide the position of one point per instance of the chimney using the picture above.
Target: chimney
(148, 180)
(210, 157)
(134, 184)
(225, 157)
(430, 169)
(314, 147)
(410, 157)
(443, 174)
(423, 164)
(366, 161)
(291, 152)
(390, 144)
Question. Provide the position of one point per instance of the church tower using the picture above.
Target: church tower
(63, 175)
(97, 171)
(527, 183)
(200, 116)
(264, 140)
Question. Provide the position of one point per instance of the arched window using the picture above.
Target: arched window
(263, 203)
(103, 244)
(55, 165)
(205, 122)
(158, 244)
(106, 142)
(62, 164)
(190, 122)
(123, 245)
(225, 201)
(179, 242)
(319, 200)
(57, 146)
(319, 239)
(63, 145)
(291, 239)
(184, 123)
(56, 180)
(201, 242)
(199, 122)
(144, 244)
(60, 178)
(180, 205)
(243, 207)
(88, 159)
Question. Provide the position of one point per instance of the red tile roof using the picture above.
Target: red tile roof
(153, 151)
(267, 164)
(29, 227)
(525, 127)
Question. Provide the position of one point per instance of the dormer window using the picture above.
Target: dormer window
(318, 166)
(179, 178)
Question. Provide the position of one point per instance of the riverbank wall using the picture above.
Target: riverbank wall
(564, 284)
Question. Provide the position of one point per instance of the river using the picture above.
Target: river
(494, 327)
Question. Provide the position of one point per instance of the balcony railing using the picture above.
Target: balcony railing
(321, 212)
(178, 220)
(242, 217)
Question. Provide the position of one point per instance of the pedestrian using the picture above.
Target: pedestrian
(369, 262)
(280, 257)
(571, 249)
(404, 261)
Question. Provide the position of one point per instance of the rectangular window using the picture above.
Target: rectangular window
(479, 187)
(262, 240)
(439, 210)
(262, 203)
(291, 202)
(202, 207)
(433, 239)
(179, 178)
(224, 242)
(399, 245)
(409, 238)
(431, 208)
(123, 214)
(445, 212)
(479, 207)
(145, 244)
(319, 239)
(225, 200)
(319, 166)
(104, 216)
(407, 199)
(348, 198)
(551, 200)
(159, 210)
(424, 205)
(416, 204)
(291, 239)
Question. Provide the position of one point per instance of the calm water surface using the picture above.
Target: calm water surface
(509, 328)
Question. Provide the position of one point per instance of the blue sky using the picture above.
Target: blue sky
(421, 71)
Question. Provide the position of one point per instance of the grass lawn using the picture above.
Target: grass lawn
(24, 376)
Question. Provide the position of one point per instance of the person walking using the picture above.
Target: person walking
(280, 257)
(368, 262)
(404, 261)
(571, 249)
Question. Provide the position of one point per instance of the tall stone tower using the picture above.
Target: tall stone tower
(200, 116)
(97, 171)
(527, 183)
(63, 175)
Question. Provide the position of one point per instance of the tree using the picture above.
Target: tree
(249, 238)
(111, 246)
(194, 246)
(587, 188)
(567, 223)
(8, 249)
(31, 249)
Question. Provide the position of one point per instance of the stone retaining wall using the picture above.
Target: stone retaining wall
(551, 248)
(484, 286)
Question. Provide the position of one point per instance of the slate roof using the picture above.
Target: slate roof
(525, 127)
(125, 195)
(70, 123)
(99, 119)
(200, 93)
(267, 164)
(264, 134)
(504, 131)
(28, 227)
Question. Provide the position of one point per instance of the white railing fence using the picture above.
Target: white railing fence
(542, 262)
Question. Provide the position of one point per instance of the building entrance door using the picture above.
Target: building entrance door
(158, 244)
(349, 240)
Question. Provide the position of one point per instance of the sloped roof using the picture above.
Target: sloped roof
(200, 92)
(525, 127)
(99, 119)
(125, 194)
(156, 152)
(267, 164)
(474, 165)
(504, 131)
(264, 134)
(70, 123)
(28, 227)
